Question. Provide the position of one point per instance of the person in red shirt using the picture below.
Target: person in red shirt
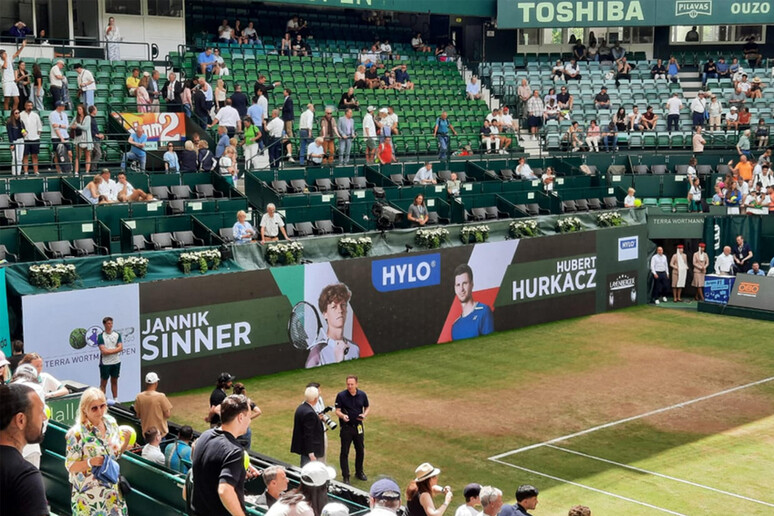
(385, 151)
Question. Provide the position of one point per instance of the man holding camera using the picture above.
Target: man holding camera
(322, 412)
(352, 408)
(308, 434)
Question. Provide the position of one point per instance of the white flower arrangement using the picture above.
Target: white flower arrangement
(609, 219)
(523, 229)
(126, 268)
(355, 247)
(474, 234)
(285, 253)
(431, 238)
(568, 225)
(206, 260)
(51, 276)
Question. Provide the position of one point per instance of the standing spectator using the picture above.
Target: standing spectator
(82, 129)
(227, 118)
(16, 132)
(17, 354)
(223, 141)
(220, 94)
(715, 110)
(151, 451)
(308, 434)
(673, 105)
(23, 83)
(171, 162)
(94, 438)
(271, 225)
(22, 420)
(441, 132)
(33, 128)
(218, 394)
(113, 37)
(258, 112)
(673, 69)
(692, 35)
(137, 141)
(247, 438)
(724, 262)
(143, 95)
(472, 494)
(10, 88)
(37, 87)
(152, 407)
(274, 130)
(177, 455)
(658, 72)
(743, 255)
(288, 117)
(697, 141)
(535, 109)
(209, 97)
(700, 266)
(276, 480)
(329, 132)
(110, 347)
(660, 270)
(571, 71)
(417, 212)
(369, 134)
(57, 119)
(679, 266)
(189, 157)
(305, 127)
(352, 407)
(251, 144)
(86, 85)
(239, 100)
(526, 500)
(96, 137)
(697, 109)
(57, 82)
(473, 89)
(743, 148)
(172, 91)
(260, 85)
(346, 130)
(219, 472)
(420, 491)
(525, 93)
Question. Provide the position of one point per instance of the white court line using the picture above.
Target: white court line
(583, 486)
(640, 470)
(632, 418)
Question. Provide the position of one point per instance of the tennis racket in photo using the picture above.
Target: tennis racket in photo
(305, 328)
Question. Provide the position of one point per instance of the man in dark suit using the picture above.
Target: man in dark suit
(154, 91)
(308, 435)
(172, 92)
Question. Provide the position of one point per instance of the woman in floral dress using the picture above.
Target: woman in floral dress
(93, 436)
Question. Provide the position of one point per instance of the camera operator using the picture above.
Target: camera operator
(325, 419)
(308, 434)
(352, 408)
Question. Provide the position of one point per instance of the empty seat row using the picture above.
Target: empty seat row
(67, 249)
(166, 240)
(576, 205)
(30, 200)
(203, 191)
(486, 213)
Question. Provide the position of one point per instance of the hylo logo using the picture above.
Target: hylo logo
(406, 272)
(693, 8)
(628, 248)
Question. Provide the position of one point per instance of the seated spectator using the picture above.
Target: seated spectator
(574, 137)
(551, 111)
(507, 122)
(348, 100)
(649, 119)
(402, 77)
(133, 81)
(734, 67)
(610, 137)
(488, 139)
(424, 175)
(524, 170)
(286, 45)
(151, 451)
(732, 119)
(721, 67)
(359, 79)
(604, 51)
(593, 134)
(127, 193)
(549, 176)
(453, 185)
(744, 85)
(618, 52)
(658, 71)
(592, 51)
(602, 99)
(744, 118)
(418, 45)
(388, 81)
(296, 25)
(762, 134)
(623, 71)
(177, 455)
(385, 49)
(579, 51)
(505, 141)
(372, 78)
(737, 98)
(635, 120)
(250, 35)
(564, 100)
(710, 71)
(756, 88)
(557, 72)
(473, 89)
(52, 388)
(752, 53)
(19, 30)
(673, 70)
(299, 46)
(206, 61)
(621, 120)
(226, 33)
(315, 153)
(219, 68)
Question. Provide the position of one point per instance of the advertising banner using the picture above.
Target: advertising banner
(752, 291)
(717, 289)
(5, 333)
(160, 127)
(64, 327)
(485, 8)
(512, 14)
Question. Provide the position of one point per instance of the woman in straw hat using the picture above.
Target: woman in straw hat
(420, 491)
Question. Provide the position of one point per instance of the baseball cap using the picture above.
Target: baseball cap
(316, 474)
(3, 361)
(59, 103)
(335, 509)
(386, 489)
(471, 490)
(505, 108)
(27, 370)
(383, 110)
(151, 377)
(733, 108)
(225, 377)
(604, 88)
(370, 108)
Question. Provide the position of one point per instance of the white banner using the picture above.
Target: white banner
(63, 328)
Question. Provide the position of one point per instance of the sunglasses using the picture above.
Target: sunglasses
(96, 408)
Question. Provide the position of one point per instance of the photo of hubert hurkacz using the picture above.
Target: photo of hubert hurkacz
(333, 304)
(476, 318)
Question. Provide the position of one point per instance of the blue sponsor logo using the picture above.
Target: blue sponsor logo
(406, 272)
(627, 248)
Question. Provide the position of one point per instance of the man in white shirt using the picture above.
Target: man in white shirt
(108, 187)
(697, 110)
(52, 388)
(659, 267)
(507, 122)
(315, 151)
(57, 119)
(630, 199)
(125, 192)
(275, 129)
(56, 81)
(674, 105)
(151, 451)
(473, 89)
(34, 127)
(272, 224)
(369, 134)
(86, 84)
(524, 170)
(391, 121)
(305, 127)
(228, 117)
(724, 263)
(10, 89)
(571, 72)
(424, 175)
(472, 496)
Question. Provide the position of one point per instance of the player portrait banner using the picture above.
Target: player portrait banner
(160, 127)
(5, 333)
(65, 327)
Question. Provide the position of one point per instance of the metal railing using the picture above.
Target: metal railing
(82, 47)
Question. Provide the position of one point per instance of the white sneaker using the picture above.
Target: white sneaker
(291, 160)
(658, 302)
(664, 299)
(503, 151)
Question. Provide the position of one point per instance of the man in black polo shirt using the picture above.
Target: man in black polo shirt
(225, 381)
(218, 463)
(352, 408)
